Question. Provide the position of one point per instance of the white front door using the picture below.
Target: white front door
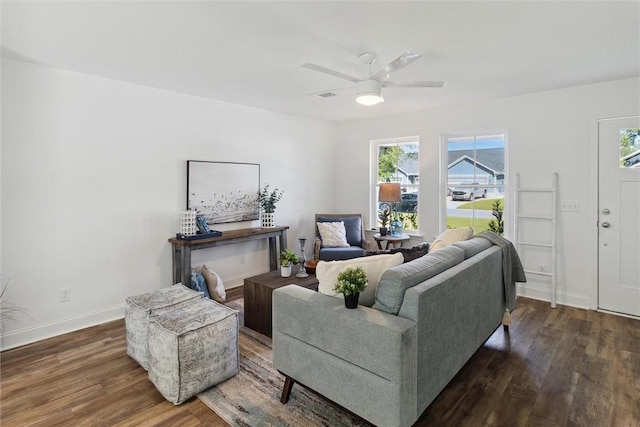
(619, 215)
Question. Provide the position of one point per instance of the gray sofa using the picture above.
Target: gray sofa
(387, 363)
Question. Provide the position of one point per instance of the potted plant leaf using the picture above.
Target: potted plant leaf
(287, 259)
(383, 216)
(267, 200)
(351, 281)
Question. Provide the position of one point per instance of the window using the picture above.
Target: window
(630, 148)
(475, 181)
(396, 160)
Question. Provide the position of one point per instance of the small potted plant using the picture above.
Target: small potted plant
(267, 201)
(287, 259)
(383, 216)
(351, 281)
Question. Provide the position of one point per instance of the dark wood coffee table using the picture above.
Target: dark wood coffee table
(257, 297)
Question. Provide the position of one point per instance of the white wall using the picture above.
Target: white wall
(548, 132)
(94, 178)
(94, 174)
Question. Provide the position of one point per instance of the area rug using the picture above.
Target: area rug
(252, 398)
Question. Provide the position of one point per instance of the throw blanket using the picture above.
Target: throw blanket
(512, 270)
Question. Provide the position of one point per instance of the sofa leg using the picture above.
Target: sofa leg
(286, 389)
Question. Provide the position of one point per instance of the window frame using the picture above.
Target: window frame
(445, 138)
(374, 146)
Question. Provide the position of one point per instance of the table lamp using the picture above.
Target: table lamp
(389, 192)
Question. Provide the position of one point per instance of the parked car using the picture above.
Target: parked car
(468, 193)
(409, 202)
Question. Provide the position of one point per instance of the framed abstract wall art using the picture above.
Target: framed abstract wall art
(223, 191)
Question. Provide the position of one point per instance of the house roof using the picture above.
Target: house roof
(493, 158)
(409, 166)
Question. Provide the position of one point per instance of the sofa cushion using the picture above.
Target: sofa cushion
(333, 234)
(451, 236)
(330, 254)
(327, 274)
(352, 225)
(473, 246)
(395, 281)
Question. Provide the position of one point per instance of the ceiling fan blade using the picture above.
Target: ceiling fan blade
(413, 84)
(397, 64)
(330, 72)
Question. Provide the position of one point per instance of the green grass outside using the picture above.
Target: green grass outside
(481, 224)
(480, 204)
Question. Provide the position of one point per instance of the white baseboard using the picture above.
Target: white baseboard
(542, 292)
(40, 332)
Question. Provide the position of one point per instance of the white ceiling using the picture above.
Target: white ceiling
(250, 52)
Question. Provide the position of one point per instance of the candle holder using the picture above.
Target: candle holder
(302, 273)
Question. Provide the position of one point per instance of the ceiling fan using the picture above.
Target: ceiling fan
(369, 89)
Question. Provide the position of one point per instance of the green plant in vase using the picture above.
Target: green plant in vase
(287, 259)
(350, 282)
(497, 225)
(383, 217)
(267, 199)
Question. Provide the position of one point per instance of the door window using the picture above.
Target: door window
(630, 148)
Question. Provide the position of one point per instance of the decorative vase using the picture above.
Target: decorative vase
(383, 231)
(351, 301)
(285, 270)
(268, 219)
(396, 228)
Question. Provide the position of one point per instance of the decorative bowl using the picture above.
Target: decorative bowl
(310, 266)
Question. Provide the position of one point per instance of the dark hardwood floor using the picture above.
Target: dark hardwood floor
(556, 367)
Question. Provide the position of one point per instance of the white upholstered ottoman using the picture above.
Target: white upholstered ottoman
(140, 307)
(192, 348)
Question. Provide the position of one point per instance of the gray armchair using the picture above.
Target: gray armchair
(355, 238)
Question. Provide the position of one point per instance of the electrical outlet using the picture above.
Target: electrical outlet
(64, 294)
(570, 206)
(242, 259)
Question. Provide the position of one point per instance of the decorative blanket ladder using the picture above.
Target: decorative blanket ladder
(551, 218)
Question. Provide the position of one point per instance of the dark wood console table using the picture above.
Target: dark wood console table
(182, 248)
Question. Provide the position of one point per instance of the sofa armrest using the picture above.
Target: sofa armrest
(370, 339)
(357, 358)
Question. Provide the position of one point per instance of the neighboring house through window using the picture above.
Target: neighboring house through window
(474, 184)
(396, 160)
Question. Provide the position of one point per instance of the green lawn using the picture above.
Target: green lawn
(458, 222)
(480, 204)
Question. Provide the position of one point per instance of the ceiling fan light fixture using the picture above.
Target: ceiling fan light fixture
(369, 92)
